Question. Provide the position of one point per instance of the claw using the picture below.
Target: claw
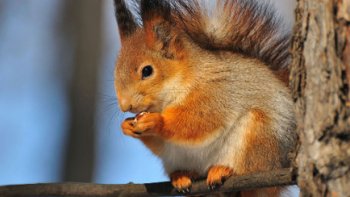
(180, 191)
(183, 190)
(214, 186)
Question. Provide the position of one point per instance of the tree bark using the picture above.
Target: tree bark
(320, 77)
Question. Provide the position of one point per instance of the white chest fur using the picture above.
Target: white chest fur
(222, 150)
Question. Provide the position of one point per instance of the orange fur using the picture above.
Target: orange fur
(187, 125)
(150, 37)
(218, 174)
(155, 144)
(182, 179)
(180, 124)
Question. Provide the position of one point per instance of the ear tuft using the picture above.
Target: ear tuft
(155, 9)
(125, 19)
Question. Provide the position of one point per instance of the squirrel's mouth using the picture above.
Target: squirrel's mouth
(137, 110)
(152, 109)
(146, 108)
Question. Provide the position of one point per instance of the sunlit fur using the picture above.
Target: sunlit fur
(221, 110)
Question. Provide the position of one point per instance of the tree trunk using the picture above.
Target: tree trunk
(320, 76)
(83, 23)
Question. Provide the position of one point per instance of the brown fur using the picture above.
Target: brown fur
(265, 192)
(247, 27)
(260, 146)
(261, 152)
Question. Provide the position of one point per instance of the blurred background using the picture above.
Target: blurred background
(59, 118)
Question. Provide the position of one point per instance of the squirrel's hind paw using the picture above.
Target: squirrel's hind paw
(182, 181)
(217, 176)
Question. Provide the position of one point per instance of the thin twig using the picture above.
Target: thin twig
(280, 177)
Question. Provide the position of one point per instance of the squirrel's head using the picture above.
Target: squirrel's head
(151, 64)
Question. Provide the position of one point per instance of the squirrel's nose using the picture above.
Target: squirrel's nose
(125, 105)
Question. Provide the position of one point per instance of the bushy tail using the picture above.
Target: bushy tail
(243, 26)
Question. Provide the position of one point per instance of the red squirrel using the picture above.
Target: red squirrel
(211, 83)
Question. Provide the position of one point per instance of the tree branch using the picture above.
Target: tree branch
(280, 177)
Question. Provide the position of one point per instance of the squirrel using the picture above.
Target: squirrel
(209, 86)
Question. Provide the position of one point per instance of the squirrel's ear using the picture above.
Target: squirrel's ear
(125, 19)
(160, 32)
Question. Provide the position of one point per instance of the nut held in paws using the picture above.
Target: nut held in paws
(138, 116)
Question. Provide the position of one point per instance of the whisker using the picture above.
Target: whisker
(115, 114)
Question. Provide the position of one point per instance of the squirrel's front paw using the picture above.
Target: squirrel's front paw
(128, 128)
(148, 124)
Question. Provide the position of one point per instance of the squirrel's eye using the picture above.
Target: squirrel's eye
(147, 71)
